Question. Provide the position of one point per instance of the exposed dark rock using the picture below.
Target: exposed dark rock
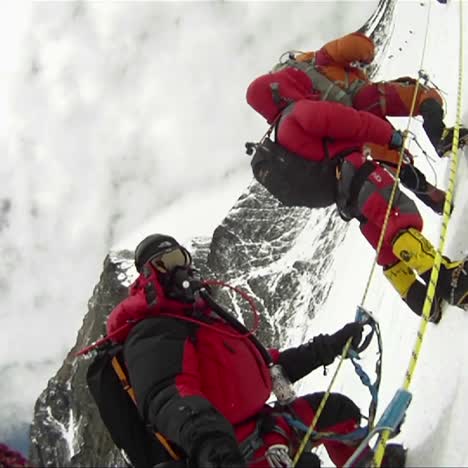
(67, 430)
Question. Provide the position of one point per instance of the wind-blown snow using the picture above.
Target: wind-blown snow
(130, 119)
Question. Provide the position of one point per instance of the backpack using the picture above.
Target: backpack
(113, 396)
(329, 90)
(290, 178)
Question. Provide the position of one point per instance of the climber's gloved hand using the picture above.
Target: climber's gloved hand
(351, 330)
(219, 450)
(397, 140)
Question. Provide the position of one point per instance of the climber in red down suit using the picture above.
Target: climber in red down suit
(363, 188)
(335, 77)
(203, 384)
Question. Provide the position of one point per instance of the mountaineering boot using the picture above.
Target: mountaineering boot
(413, 179)
(413, 249)
(434, 198)
(413, 292)
(415, 300)
(308, 460)
(445, 143)
(432, 112)
(440, 136)
(394, 457)
(453, 283)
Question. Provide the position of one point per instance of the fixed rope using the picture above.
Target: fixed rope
(347, 347)
(438, 258)
(363, 316)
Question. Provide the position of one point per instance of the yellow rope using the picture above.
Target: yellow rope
(436, 268)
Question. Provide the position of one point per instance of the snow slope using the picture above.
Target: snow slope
(434, 430)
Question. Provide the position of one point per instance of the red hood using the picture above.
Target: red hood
(135, 307)
(293, 85)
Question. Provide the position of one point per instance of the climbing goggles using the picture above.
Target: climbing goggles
(170, 259)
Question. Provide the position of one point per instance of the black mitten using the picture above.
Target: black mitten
(340, 338)
(219, 451)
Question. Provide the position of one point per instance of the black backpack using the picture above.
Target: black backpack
(292, 179)
(119, 412)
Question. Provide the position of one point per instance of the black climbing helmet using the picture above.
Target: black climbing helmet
(163, 251)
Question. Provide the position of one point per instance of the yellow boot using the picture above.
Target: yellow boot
(415, 251)
(412, 248)
(404, 280)
(401, 277)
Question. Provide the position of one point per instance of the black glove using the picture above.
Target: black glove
(350, 330)
(396, 142)
(219, 451)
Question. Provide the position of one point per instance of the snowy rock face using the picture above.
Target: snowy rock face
(282, 257)
(67, 430)
(279, 255)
